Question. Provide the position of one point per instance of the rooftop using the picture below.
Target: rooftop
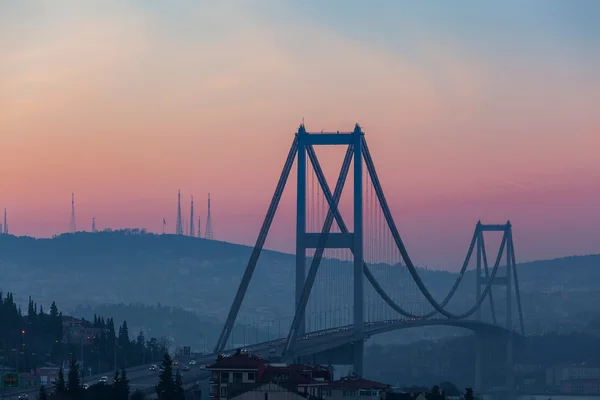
(355, 382)
(239, 361)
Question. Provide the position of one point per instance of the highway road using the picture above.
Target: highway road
(142, 378)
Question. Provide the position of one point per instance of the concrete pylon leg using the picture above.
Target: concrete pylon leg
(359, 351)
(478, 366)
(510, 379)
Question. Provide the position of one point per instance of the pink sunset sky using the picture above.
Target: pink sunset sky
(481, 113)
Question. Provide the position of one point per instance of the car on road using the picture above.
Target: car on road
(103, 379)
(192, 362)
(86, 386)
(175, 362)
(186, 368)
(22, 396)
(153, 367)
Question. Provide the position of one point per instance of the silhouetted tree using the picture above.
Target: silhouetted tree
(121, 386)
(435, 394)
(116, 380)
(166, 385)
(468, 394)
(74, 388)
(60, 385)
(42, 395)
(179, 392)
(138, 395)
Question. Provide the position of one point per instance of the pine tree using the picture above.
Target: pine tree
(138, 395)
(60, 386)
(435, 394)
(53, 310)
(166, 385)
(116, 380)
(73, 383)
(179, 392)
(124, 335)
(42, 395)
(140, 345)
(121, 386)
(468, 394)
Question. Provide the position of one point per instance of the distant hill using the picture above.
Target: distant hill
(130, 266)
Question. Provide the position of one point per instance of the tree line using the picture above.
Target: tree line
(169, 387)
(38, 338)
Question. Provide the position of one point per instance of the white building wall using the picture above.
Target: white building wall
(269, 391)
(358, 394)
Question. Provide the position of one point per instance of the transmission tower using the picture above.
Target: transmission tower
(72, 225)
(179, 225)
(191, 231)
(5, 224)
(208, 234)
(199, 231)
(93, 224)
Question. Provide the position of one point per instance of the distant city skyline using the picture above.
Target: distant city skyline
(487, 111)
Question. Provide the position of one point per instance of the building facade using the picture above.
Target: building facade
(233, 376)
(77, 330)
(355, 388)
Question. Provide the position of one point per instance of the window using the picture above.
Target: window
(224, 392)
(237, 377)
(251, 376)
(224, 377)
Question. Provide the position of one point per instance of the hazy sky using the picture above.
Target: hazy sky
(472, 110)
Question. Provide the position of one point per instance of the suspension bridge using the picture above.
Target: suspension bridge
(343, 243)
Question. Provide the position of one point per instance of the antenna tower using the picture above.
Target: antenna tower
(208, 234)
(94, 225)
(72, 226)
(191, 232)
(5, 224)
(199, 231)
(179, 225)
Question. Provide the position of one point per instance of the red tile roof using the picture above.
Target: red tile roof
(297, 374)
(239, 361)
(356, 383)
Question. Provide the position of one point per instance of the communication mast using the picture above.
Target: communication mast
(208, 234)
(72, 225)
(191, 231)
(179, 226)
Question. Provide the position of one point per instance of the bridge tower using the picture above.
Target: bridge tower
(482, 279)
(311, 240)
(303, 148)
(359, 155)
